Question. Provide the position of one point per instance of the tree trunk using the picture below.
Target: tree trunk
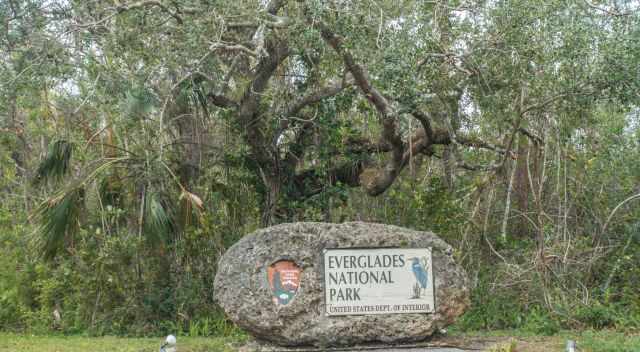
(16, 125)
(521, 190)
(271, 199)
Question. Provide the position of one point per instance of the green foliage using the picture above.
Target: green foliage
(493, 310)
(56, 164)
(606, 341)
(166, 180)
(138, 103)
(157, 221)
(60, 221)
(10, 278)
(540, 322)
(58, 342)
(506, 347)
(426, 205)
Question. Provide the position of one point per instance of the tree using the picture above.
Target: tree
(149, 135)
(349, 93)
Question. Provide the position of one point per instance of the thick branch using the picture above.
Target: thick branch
(377, 180)
(277, 52)
(315, 97)
(425, 121)
(531, 136)
(248, 114)
(359, 73)
(388, 116)
(222, 101)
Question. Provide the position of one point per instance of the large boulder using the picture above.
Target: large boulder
(297, 317)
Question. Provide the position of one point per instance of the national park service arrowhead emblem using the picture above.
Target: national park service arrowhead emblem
(284, 280)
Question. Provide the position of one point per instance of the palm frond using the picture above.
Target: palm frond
(191, 205)
(138, 103)
(157, 221)
(110, 189)
(56, 164)
(200, 99)
(59, 218)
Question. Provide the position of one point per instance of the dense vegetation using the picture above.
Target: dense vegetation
(140, 139)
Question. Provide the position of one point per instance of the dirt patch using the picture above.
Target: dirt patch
(440, 343)
(529, 344)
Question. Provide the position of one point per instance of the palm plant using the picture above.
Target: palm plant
(60, 215)
(138, 176)
(56, 164)
(60, 220)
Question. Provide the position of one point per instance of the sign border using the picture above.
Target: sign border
(324, 280)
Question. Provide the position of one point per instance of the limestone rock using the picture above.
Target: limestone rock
(243, 290)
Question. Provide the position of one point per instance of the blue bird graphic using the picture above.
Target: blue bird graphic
(419, 272)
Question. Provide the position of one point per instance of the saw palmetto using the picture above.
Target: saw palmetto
(56, 163)
(157, 221)
(59, 221)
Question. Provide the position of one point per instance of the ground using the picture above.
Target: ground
(502, 341)
(587, 341)
(30, 343)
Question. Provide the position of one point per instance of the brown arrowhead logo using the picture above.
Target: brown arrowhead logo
(284, 279)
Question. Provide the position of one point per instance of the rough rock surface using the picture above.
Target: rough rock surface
(242, 289)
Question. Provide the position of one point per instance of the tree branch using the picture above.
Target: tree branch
(277, 52)
(607, 11)
(531, 136)
(472, 141)
(315, 97)
(377, 180)
(221, 101)
(383, 179)
(232, 47)
(425, 121)
(248, 109)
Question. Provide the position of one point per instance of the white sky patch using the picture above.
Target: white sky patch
(297, 71)
(632, 121)
(396, 24)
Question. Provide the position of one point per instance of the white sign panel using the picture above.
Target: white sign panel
(378, 281)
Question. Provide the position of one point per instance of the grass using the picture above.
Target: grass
(588, 341)
(607, 341)
(31, 343)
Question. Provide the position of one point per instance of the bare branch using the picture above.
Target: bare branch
(232, 47)
(359, 73)
(531, 136)
(608, 11)
(472, 141)
(149, 3)
(543, 103)
(137, 5)
(248, 108)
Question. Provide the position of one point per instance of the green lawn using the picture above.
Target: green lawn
(29, 343)
(588, 341)
(607, 341)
